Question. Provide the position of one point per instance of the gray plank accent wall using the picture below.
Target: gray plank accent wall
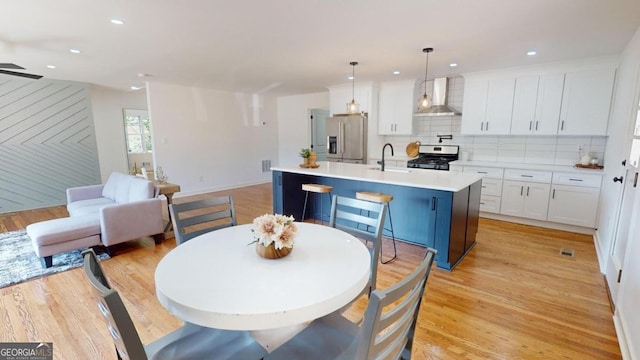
(47, 142)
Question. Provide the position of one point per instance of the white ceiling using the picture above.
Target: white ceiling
(301, 46)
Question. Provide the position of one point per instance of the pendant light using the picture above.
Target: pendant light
(424, 103)
(352, 107)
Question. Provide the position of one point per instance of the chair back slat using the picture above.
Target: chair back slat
(390, 319)
(197, 217)
(364, 220)
(119, 323)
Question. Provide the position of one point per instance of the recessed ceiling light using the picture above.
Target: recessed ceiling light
(117, 21)
(350, 78)
(75, 51)
(396, 72)
(135, 88)
(531, 53)
(453, 64)
(51, 66)
(143, 75)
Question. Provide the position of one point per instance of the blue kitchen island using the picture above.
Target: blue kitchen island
(438, 209)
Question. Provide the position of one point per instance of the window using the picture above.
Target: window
(137, 128)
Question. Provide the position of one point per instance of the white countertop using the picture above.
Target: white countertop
(426, 179)
(511, 165)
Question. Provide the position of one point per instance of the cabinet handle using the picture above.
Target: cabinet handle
(536, 125)
(483, 172)
(482, 126)
(530, 123)
(553, 196)
(521, 190)
(527, 191)
(481, 203)
(486, 128)
(482, 186)
(575, 179)
(527, 176)
(433, 203)
(562, 125)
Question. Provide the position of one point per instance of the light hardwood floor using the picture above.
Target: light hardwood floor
(513, 297)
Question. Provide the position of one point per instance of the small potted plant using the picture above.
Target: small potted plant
(305, 153)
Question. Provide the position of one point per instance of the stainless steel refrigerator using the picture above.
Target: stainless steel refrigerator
(347, 138)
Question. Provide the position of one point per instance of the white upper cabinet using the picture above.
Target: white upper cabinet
(474, 106)
(536, 104)
(395, 108)
(586, 102)
(572, 98)
(488, 106)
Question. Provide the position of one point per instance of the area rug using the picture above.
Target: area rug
(18, 261)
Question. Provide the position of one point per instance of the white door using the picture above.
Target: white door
(319, 133)
(613, 226)
(619, 246)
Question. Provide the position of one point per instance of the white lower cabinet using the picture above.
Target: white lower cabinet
(569, 198)
(490, 203)
(491, 189)
(525, 199)
(574, 199)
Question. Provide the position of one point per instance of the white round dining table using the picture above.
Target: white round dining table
(218, 280)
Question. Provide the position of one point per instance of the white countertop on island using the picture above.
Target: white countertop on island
(427, 179)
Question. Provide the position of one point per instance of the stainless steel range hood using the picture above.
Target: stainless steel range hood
(439, 107)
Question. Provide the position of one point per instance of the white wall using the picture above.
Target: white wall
(107, 105)
(294, 131)
(207, 140)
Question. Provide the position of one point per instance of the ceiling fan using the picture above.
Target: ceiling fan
(15, 73)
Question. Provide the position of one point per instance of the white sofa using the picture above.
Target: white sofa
(124, 208)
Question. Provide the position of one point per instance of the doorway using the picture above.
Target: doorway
(318, 119)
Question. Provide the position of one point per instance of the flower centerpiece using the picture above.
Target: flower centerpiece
(274, 235)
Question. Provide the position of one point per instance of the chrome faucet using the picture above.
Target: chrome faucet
(382, 162)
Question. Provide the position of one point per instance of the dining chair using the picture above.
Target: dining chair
(197, 217)
(386, 332)
(347, 214)
(188, 342)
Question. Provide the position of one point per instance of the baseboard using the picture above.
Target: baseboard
(544, 224)
(600, 255)
(618, 323)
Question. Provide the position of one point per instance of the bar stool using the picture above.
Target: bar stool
(315, 188)
(382, 199)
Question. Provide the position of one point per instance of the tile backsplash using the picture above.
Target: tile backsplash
(532, 149)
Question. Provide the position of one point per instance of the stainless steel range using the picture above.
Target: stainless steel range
(435, 157)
